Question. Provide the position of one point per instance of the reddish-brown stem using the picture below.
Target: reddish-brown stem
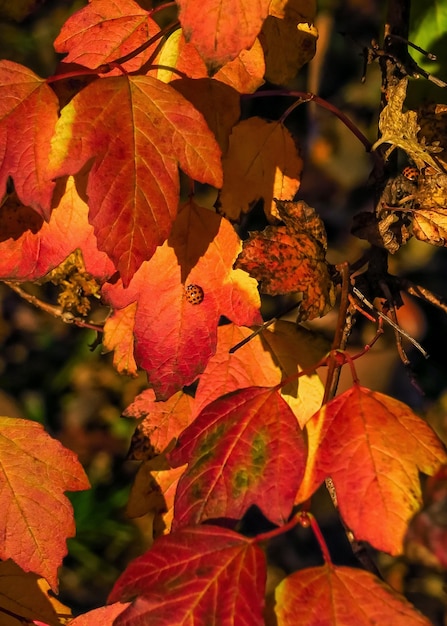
(334, 367)
(319, 537)
(276, 532)
(56, 311)
(311, 97)
(167, 5)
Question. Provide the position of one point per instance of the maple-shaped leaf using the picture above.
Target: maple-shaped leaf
(162, 423)
(37, 518)
(279, 352)
(153, 491)
(103, 616)
(196, 575)
(139, 131)
(23, 595)
(430, 225)
(244, 448)
(288, 38)
(106, 30)
(30, 247)
(372, 446)
(246, 72)
(221, 29)
(341, 596)
(262, 161)
(176, 337)
(292, 258)
(28, 115)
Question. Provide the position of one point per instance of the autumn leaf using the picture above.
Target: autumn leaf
(138, 131)
(153, 491)
(262, 162)
(103, 616)
(118, 338)
(341, 596)
(126, 25)
(430, 225)
(175, 338)
(372, 446)
(218, 103)
(244, 448)
(21, 594)
(400, 129)
(36, 470)
(30, 248)
(221, 29)
(288, 38)
(246, 72)
(28, 115)
(194, 575)
(292, 258)
(162, 423)
(278, 353)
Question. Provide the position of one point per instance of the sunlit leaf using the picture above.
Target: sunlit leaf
(244, 448)
(341, 596)
(373, 447)
(35, 472)
(138, 131)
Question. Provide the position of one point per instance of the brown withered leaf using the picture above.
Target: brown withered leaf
(430, 225)
(400, 129)
(292, 258)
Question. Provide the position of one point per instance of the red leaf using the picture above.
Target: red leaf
(245, 448)
(221, 29)
(139, 131)
(28, 115)
(32, 253)
(38, 518)
(103, 616)
(195, 575)
(104, 31)
(372, 447)
(174, 338)
(292, 258)
(341, 596)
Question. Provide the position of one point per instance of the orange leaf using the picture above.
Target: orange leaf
(103, 616)
(139, 131)
(30, 248)
(193, 576)
(175, 338)
(179, 55)
(244, 448)
(220, 29)
(35, 471)
(104, 31)
(246, 72)
(341, 596)
(118, 336)
(28, 115)
(262, 162)
(162, 423)
(292, 258)
(372, 447)
(264, 361)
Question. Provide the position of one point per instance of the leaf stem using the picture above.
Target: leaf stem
(304, 97)
(319, 537)
(53, 310)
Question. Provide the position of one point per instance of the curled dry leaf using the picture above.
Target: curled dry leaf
(292, 258)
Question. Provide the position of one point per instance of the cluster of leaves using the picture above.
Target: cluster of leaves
(95, 174)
